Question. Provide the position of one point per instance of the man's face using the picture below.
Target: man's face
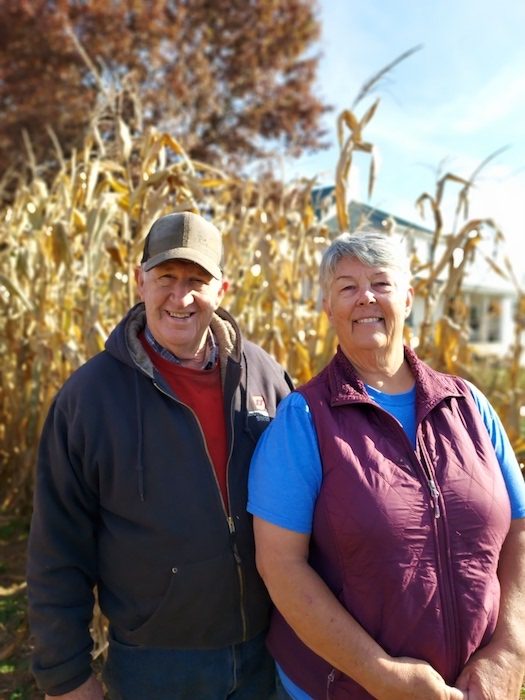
(180, 298)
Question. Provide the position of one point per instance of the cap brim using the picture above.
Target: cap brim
(184, 254)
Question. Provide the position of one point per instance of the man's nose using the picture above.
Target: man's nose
(181, 293)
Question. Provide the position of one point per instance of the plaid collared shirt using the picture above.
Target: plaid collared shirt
(212, 349)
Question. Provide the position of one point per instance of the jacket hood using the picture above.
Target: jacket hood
(123, 342)
(124, 345)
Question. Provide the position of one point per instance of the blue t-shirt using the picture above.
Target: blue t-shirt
(286, 471)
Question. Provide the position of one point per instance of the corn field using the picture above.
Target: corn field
(69, 245)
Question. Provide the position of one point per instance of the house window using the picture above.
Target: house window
(494, 321)
(485, 319)
(474, 323)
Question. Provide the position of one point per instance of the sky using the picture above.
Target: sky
(446, 108)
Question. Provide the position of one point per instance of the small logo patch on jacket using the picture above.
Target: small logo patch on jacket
(259, 404)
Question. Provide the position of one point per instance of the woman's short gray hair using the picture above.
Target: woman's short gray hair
(369, 247)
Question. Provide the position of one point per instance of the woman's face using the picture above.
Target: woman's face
(367, 307)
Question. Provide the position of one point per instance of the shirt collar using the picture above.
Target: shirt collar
(211, 353)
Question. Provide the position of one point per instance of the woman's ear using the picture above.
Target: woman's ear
(327, 309)
(409, 301)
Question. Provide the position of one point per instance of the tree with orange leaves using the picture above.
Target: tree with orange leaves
(230, 78)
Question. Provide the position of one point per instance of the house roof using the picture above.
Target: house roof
(323, 199)
(480, 278)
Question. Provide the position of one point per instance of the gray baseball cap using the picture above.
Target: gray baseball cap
(184, 236)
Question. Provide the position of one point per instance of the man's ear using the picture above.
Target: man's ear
(222, 291)
(139, 280)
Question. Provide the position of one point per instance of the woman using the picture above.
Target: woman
(389, 511)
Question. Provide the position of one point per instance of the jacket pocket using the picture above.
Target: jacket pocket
(201, 608)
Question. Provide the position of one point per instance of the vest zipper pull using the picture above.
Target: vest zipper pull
(329, 680)
(435, 496)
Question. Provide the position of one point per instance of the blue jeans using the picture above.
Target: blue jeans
(240, 672)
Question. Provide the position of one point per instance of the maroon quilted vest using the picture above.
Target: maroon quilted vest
(415, 565)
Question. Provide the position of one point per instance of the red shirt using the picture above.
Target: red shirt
(201, 390)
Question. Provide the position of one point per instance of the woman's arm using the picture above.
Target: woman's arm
(329, 630)
(496, 672)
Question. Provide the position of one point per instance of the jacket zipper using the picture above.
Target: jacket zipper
(238, 562)
(203, 442)
(233, 534)
(226, 507)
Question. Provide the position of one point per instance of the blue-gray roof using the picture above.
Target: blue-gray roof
(324, 198)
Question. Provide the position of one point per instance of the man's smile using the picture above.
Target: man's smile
(179, 314)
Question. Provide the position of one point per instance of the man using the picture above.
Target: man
(141, 492)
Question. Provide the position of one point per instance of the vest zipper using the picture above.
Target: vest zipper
(226, 507)
(435, 496)
(443, 561)
(434, 492)
(329, 682)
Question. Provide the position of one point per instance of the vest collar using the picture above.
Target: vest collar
(432, 387)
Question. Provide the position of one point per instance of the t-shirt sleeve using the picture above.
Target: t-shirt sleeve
(510, 468)
(285, 472)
